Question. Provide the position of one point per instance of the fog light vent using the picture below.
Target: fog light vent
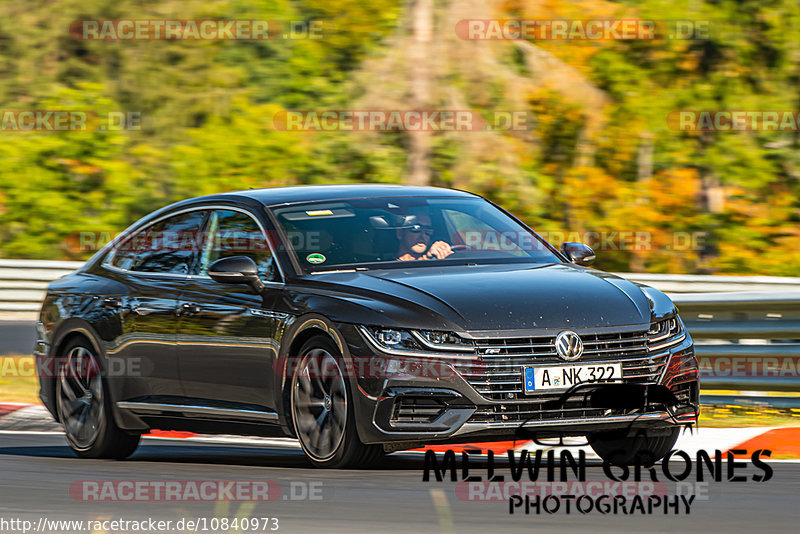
(416, 410)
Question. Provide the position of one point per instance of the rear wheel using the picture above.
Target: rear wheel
(84, 407)
(322, 413)
(642, 448)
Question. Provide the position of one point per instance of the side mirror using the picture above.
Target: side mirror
(236, 270)
(578, 253)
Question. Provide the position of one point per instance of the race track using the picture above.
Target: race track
(38, 471)
(17, 337)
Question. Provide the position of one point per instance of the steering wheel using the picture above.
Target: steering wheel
(459, 249)
(456, 249)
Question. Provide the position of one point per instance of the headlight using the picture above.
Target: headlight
(391, 338)
(443, 341)
(665, 333)
(413, 342)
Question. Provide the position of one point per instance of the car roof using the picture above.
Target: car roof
(277, 196)
(307, 193)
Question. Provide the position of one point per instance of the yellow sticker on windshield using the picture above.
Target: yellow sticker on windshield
(319, 212)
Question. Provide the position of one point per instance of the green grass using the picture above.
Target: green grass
(18, 380)
(740, 416)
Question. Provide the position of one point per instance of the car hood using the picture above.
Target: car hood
(503, 297)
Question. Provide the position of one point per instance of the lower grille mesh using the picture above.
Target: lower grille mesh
(537, 411)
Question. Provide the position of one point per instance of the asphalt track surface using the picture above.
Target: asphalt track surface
(17, 337)
(37, 470)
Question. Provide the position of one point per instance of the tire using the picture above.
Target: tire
(84, 408)
(621, 448)
(322, 412)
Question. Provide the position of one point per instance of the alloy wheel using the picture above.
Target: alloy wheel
(319, 404)
(81, 402)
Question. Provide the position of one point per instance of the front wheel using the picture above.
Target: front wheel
(84, 408)
(641, 448)
(322, 414)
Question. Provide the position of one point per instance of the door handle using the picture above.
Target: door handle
(187, 308)
(112, 303)
(144, 310)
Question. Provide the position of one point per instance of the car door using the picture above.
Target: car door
(226, 332)
(153, 264)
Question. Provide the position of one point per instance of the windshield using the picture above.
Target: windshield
(385, 232)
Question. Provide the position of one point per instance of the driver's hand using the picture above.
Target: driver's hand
(406, 257)
(440, 250)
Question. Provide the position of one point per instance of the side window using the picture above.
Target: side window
(169, 246)
(233, 233)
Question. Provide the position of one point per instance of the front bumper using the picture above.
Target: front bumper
(442, 406)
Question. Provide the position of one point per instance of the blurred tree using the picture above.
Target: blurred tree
(599, 156)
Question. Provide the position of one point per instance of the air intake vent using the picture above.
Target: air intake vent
(416, 410)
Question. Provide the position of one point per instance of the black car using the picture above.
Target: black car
(361, 319)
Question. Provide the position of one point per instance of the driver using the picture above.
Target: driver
(415, 241)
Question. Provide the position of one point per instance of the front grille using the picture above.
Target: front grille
(497, 373)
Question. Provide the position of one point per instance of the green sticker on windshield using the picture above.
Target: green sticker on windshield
(315, 258)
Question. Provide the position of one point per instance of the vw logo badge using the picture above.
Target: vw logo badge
(569, 346)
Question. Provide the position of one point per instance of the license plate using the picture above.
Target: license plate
(566, 376)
